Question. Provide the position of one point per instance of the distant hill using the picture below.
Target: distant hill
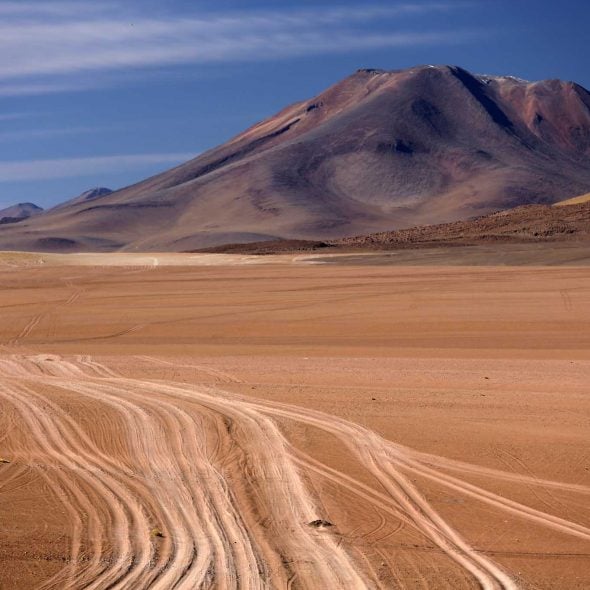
(85, 197)
(380, 150)
(18, 212)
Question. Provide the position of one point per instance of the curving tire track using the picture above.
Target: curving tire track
(214, 476)
(84, 476)
(27, 329)
(210, 543)
(32, 324)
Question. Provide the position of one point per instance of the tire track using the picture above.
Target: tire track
(36, 319)
(215, 373)
(93, 485)
(487, 574)
(210, 543)
(213, 470)
(28, 328)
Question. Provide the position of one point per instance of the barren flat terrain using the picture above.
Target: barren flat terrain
(203, 421)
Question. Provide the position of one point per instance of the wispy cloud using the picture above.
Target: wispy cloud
(74, 167)
(52, 8)
(13, 116)
(23, 134)
(34, 49)
(36, 88)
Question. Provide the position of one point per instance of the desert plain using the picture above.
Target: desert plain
(298, 422)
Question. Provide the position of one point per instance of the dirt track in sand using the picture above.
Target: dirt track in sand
(181, 427)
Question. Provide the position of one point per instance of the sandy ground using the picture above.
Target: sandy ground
(174, 426)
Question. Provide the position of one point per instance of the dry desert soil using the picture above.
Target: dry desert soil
(210, 421)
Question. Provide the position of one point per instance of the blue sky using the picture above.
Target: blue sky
(106, 93)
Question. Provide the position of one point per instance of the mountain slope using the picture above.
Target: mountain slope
(89, 195)
(19, 212)
(574, 201)
(527, 223)
(567, 221)
(377, 151)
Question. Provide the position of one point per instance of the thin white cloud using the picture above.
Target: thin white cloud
(35, 88)
(14, 116)
(28, 170)
(34, 50)
(61, 9)
(43, 133)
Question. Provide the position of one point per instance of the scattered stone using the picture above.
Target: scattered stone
(156, 532)
(4, 461)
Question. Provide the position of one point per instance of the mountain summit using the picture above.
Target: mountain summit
(18, 212)
(380, 150)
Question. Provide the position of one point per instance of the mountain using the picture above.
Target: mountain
(86, 196)
(379, 150)
(19, 212)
